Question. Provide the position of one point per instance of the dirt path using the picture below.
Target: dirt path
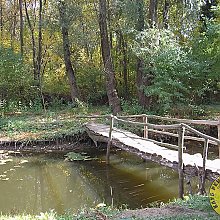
(167, 211)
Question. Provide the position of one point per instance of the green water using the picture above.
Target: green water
(37, 184)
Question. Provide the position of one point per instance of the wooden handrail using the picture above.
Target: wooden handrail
(185, 137)
(201, 134)
(153, 126)
(93, 116)
(189, 121)
(174, 126)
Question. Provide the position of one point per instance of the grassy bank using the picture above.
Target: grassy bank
(59, 122)
(50, 125)
(196, 207)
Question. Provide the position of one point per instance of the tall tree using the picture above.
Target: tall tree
(113, 98)
(124, 63)
(66, 50)
(141, 79)
(33, 41)
(166, 13)
(1, 20)
(21, 27)
(153, 13)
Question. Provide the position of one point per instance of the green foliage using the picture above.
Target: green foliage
(173, 70)
(40, 127)
(132, 107)
(186, 111)
(196, 202)
(91, 83)
(14, 107)
(15, 81)
(206, 51)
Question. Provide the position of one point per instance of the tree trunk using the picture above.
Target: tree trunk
(1, 20)
(113, 99)
(124, 64)
(13, 22)
(66, 51)
(34, 60)
(141, 79)
(165, 13)
(153, 13)
(21, 27)
(39, 56)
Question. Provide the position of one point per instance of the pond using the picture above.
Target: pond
(34, 184)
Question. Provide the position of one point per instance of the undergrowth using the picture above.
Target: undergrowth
(197, 203)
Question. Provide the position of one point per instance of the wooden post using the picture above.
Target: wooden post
(145, 126)
(109, 139)
(219, 136)
(180, 161)
(205, 155)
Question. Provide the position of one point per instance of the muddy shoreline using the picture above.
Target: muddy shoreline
(65, 143)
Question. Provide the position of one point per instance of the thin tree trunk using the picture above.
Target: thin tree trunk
(66, 51)
(153, 13)
(1, 20)
(15, 18)
(13, 22)
(109, 24)
(113, 99)
(33, 44)
(39, 56)
(125, 64)
(141, 79)
(166, 13)
(21, 27)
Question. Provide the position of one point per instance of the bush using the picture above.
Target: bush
(16, 83)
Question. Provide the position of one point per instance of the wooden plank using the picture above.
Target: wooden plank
(171, 146)
(185, 137)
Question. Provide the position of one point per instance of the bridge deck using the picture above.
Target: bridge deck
(150, 151)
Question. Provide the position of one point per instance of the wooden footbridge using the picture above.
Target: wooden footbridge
(170, 155)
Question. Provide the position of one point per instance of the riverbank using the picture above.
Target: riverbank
(195, 207)
(35, 130)
(40, 131)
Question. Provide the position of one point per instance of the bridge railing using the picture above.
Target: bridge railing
(181, 128)
(145, 118)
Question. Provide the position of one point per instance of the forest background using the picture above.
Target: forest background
(158, 56)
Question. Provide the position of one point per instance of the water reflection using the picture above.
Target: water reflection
(39, 184)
